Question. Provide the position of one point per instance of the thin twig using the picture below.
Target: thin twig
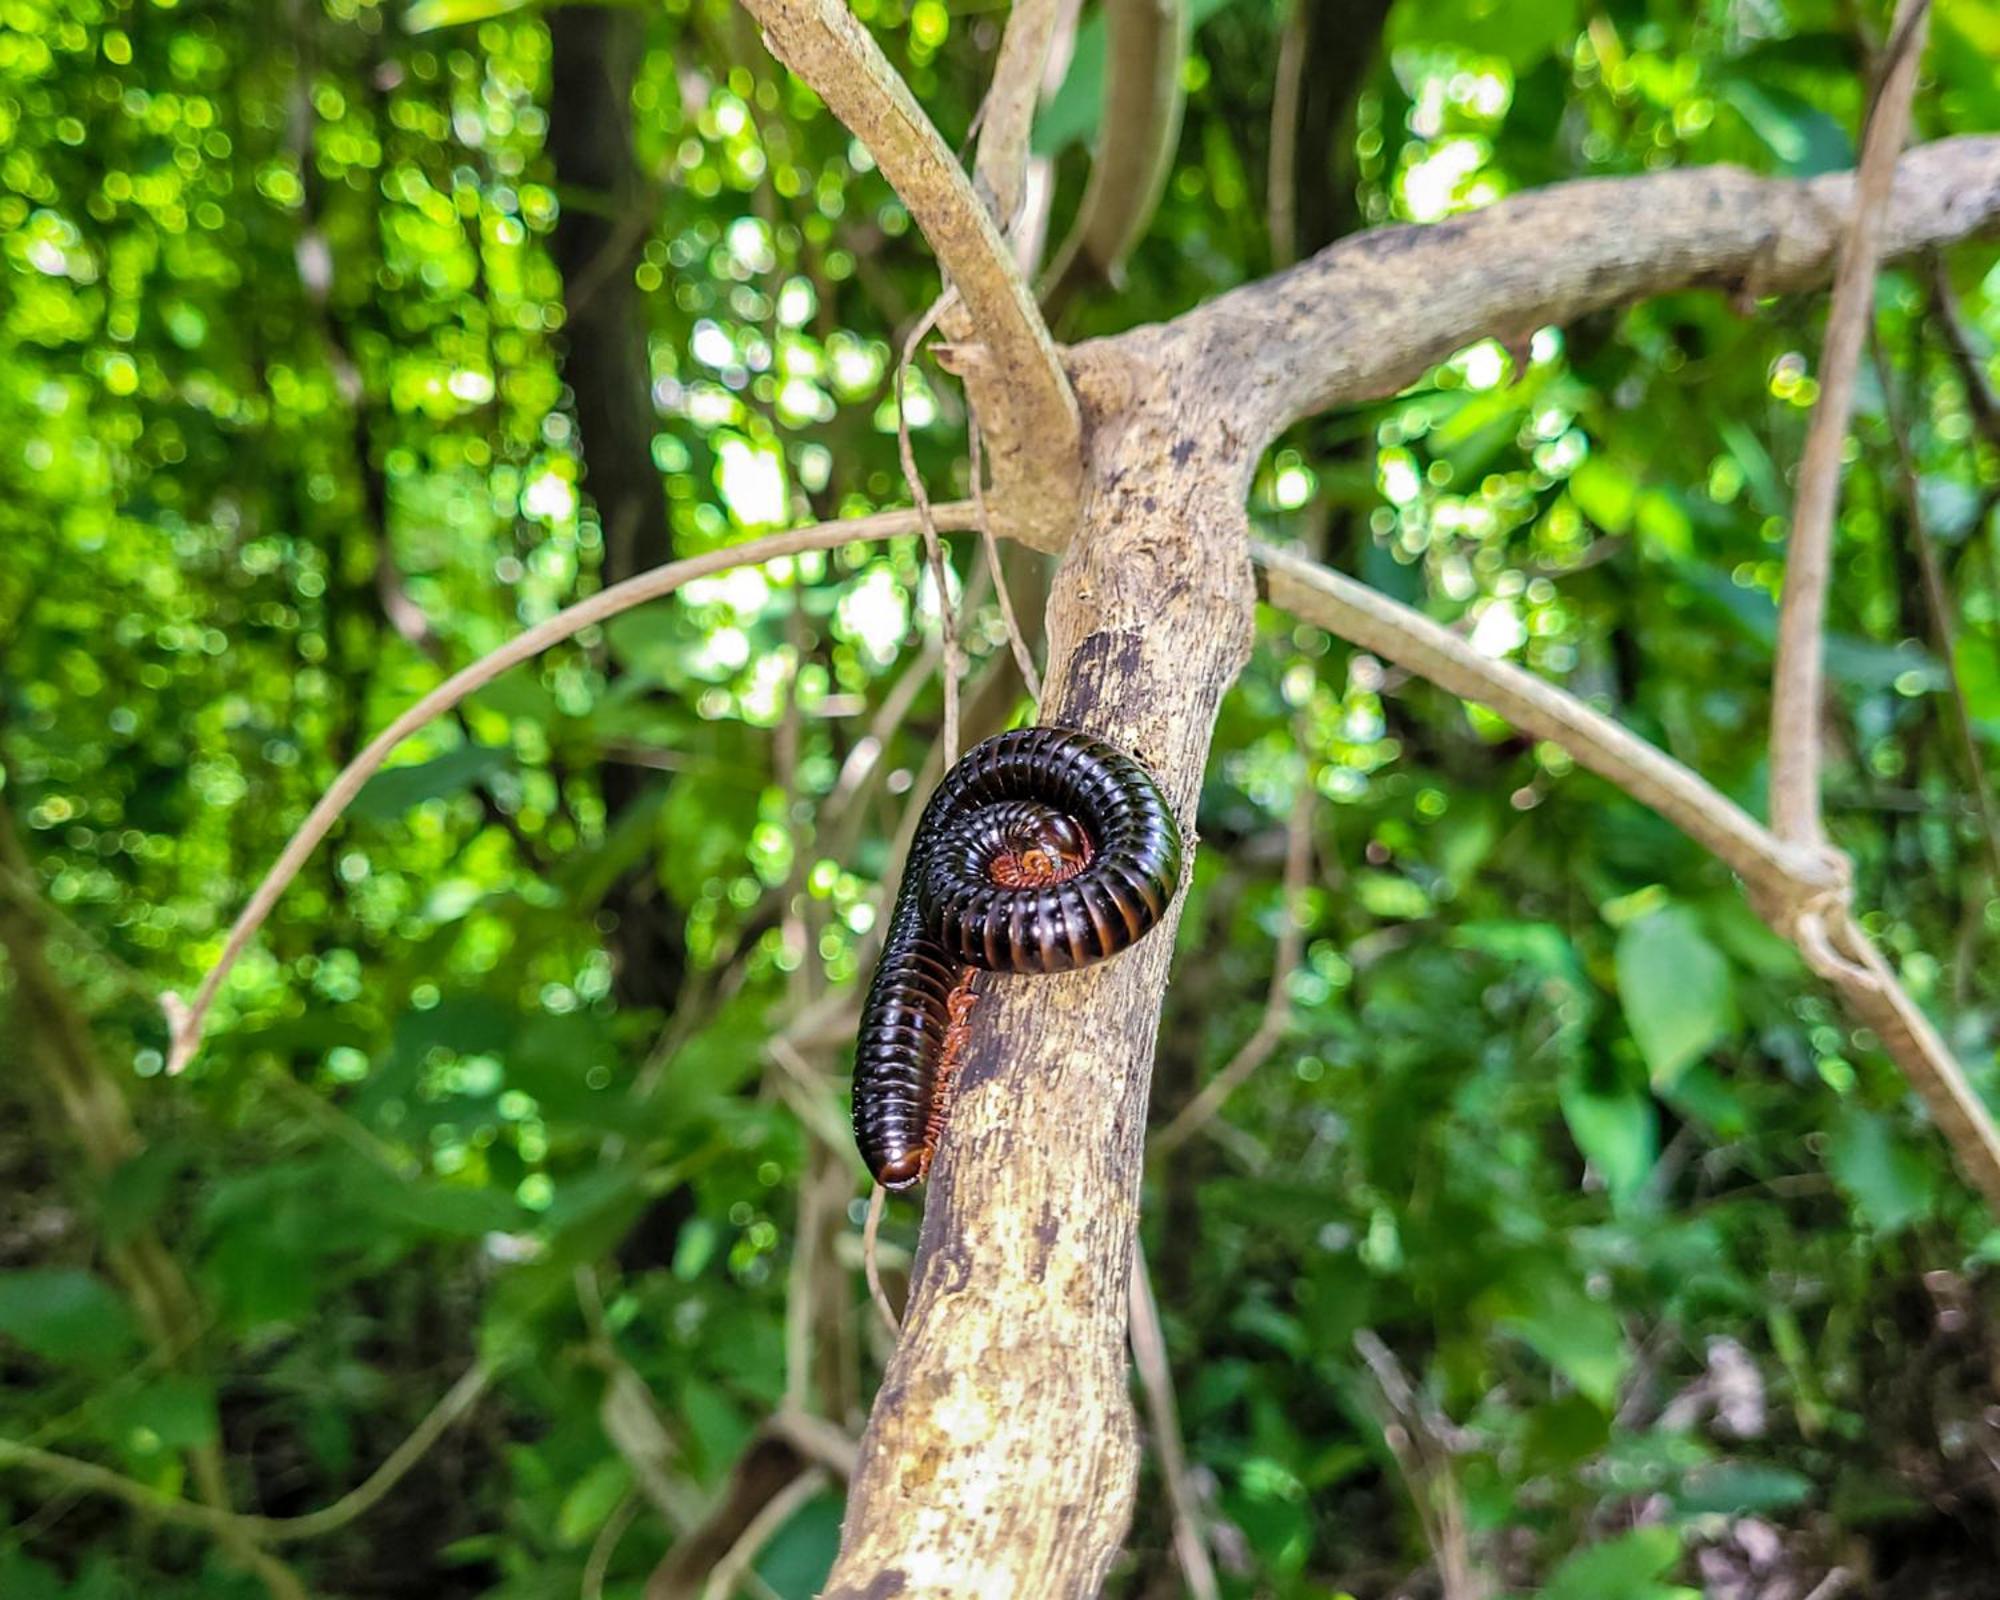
(1979, 391)
(1786, 883)
(999, 174)
(822, 1119)
(816, 1440)
(871, 1231)
(456, 1403)
(1024, 658)
(1030, 232)
(1156, 1382)
(865, 759)
(189, 1020)
(1426, 1444)
(1033, 427)
(823, 1194)
(1941, 610)
(1797, 683)
(1281, 182)
(403, 1167)
(729, 1573)
(605, 1545)
(933, 548)
(1201, 1110)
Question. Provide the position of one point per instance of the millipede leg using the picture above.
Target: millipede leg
(951, 1056)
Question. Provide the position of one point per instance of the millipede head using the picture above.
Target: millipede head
(1056, 850)
(905, 1171)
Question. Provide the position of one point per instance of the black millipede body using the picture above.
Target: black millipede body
(1043, 850)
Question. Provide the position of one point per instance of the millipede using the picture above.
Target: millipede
(1043, 850)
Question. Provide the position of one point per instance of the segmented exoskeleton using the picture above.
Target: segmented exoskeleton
(1043, 850)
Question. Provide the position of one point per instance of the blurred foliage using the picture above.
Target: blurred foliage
(289, 385)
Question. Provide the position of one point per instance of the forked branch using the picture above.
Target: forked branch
(1796, 889)
(1796, 684)
(1026, 408)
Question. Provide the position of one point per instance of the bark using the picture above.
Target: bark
(1146, 41)
(1001, 1456)
(1374, 312)
(1026, 410)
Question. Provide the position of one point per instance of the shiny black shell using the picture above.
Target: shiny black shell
(1047, 789)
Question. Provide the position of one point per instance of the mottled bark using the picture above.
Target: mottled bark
(1001, 1456)
(1372, 313)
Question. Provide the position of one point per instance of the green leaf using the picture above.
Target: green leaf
(424, 15)
(166, 1416)
(1890, 1183)
(588, 1506)
(1738, 1488)
(1393, 898)
(1628, 1567)
(1665, 523)
(1619, 1131)
(1967, 43)
(1767, 488)
(1676, 990)
(1604, 493)
(1564, 1433)
(800, 1554)
(519, 696)
(389, 794)
(451, 1210)
(1578, 1336)
(1855, 662)
(1074, 111)
(65, 1316)
(1804, 138)
(1520, 32)
(135, 1190)
(1978, 666)
(24, 1579)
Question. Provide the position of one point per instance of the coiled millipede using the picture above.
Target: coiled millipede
(1043, 850)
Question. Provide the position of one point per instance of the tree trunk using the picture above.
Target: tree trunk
(594, 53)
(1001, 1456)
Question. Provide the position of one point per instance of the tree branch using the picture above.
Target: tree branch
(1009, 1383)
(1136, 137)
(1369, 314)
(1017, 382)
(1943, 617)
(1000, 172)
(1801, 891)
(1156, 1381)
(456, 1402)
(1796, 681)
(1965, 355)
(188, 1020)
